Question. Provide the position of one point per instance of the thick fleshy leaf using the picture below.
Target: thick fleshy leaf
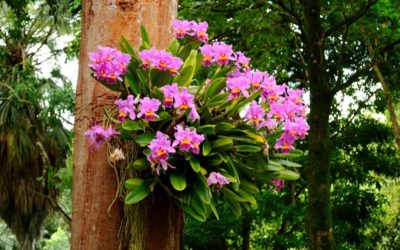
(215, 87)
(208, 129)
(274, 165)
(248, 197)
(235, 206)
(287, 174)
(132, 125)
(127, 135)
(217, 100)
(224, 126)
(248, 148)
(198, 206)
(295, 153)
(206, 148)
(195, 164)
(214, 210)
(126, 47)
(133, 183)
(189, 211)
(164, 116)
(144, 139)
(137, 194)
(178, 181)
(245, 101)
(185, 77)
(289, 163)
(140, 164)
(222, 144)
(201, 189)
(213, 160)
(248, 186)
(133, 83)
(145, 37)
(188, 70)
(232, 195)
(173, 47)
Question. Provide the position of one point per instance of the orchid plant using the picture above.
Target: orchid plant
(208, 127)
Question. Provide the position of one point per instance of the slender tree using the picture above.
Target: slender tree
(97, 220)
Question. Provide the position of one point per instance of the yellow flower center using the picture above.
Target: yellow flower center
(173, 71)
(223, 58)
(235, 91)
(255, 119)
(161, 152)
(185, 141)
(184, 106)
(273, 97)
(285, 146)
(149, 114)
(201, 34)
(162, 64)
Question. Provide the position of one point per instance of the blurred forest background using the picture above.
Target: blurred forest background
(39, 46)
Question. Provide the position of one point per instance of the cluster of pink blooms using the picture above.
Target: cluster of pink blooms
(147, 108)
(219, 52)
(191, 28)
(286, 106)
(160, 148)
(181, 100)
(278, 184)
(97, 135)
(160, 59)
(217, 179)
(109, 64)
(188, 140)
(126, 108)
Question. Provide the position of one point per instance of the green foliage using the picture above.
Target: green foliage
(34, 143)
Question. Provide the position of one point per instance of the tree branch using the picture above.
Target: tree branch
(377, 59)
(350, 20)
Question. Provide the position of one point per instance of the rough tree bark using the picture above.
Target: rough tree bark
(319, 218)
(103, 23)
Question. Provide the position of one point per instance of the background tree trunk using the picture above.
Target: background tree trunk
(246, 230)
(94, 188)
(319, 218)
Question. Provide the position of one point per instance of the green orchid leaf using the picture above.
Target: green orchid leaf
(133, 183)
(137, 194)
(178, 181)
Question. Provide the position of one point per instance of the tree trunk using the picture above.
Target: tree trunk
(388, 95)
(94, 188)
(246, 229)
(319, 218)
(390, 105)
